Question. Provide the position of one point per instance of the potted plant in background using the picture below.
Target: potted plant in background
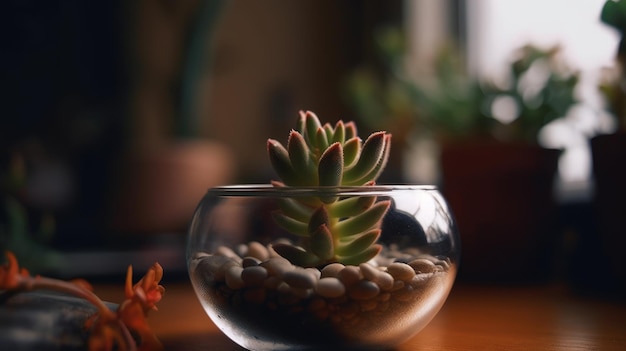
(496, 176)
(323, 258)
(609, 153)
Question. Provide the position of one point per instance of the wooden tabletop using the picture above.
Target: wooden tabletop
(473, 318)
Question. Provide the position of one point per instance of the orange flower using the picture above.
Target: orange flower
(147, 292)
(11, 276)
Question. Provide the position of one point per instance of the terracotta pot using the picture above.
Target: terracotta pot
(161, 186)
(609, 167)
(502, 197)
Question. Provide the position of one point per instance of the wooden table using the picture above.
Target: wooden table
(473, 318)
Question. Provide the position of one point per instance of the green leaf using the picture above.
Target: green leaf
(296, 209)
(279, 157)
(339, 135)
(330, 167)
(351, 131)
(329, 133)
(350, 206)
(380, 166)
(312, 125)
(362, 222)
(299, 156)
(362, 256)
(321, 243)
(371, 154)
(351, 151)
(296, 255)
(319, 217)
(359, 244)
(290, 224)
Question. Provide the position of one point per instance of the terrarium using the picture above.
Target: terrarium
(323, 257)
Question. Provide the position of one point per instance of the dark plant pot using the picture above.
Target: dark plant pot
(44, 321)
(502, 197)
(609, 168)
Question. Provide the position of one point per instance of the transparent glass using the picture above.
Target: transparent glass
(262, 302)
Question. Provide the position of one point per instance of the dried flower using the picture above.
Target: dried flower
(108, 330)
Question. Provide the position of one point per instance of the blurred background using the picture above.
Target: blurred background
(118, 115)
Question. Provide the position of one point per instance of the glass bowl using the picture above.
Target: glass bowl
(262, 301)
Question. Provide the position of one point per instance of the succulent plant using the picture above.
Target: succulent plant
(331, 228)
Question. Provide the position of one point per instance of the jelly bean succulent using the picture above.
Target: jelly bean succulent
(331, 228)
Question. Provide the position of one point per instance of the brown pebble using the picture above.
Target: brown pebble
(253, 275)
(233, 277)
(299, 278)
(422, 265)
(332, 270)
(401, 271)
(363, 290)
(249, 261)
(350, 275)
(258, 250)
(330, 287)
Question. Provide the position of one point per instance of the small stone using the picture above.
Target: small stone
(299, 278)
(258, 250)
(233, 277)
(332, 270)
(214, 265)
(277, 266)
(330, 287)
(385, 281)
(228, 252)
(253, 275)
(314, 272)
(401, 271)
(364, 290)
(249, 261)
(369, 272)
(350, 275)
(422, 265)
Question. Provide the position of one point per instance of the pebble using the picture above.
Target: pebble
(249, 261)
(332, 270)
(364, 290)
(330, 287)
(349, 275)
(401, 271)
(233, 277)
(228, 252)
(258, 250)
(422, 265)
(253, 275)
(277, 266)
(299, 278)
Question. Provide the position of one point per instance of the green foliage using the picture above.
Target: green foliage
(453, 104)
(332, 228)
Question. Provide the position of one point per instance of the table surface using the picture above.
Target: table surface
(473, 318)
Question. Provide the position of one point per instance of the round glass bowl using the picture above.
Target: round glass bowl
(262, 301)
